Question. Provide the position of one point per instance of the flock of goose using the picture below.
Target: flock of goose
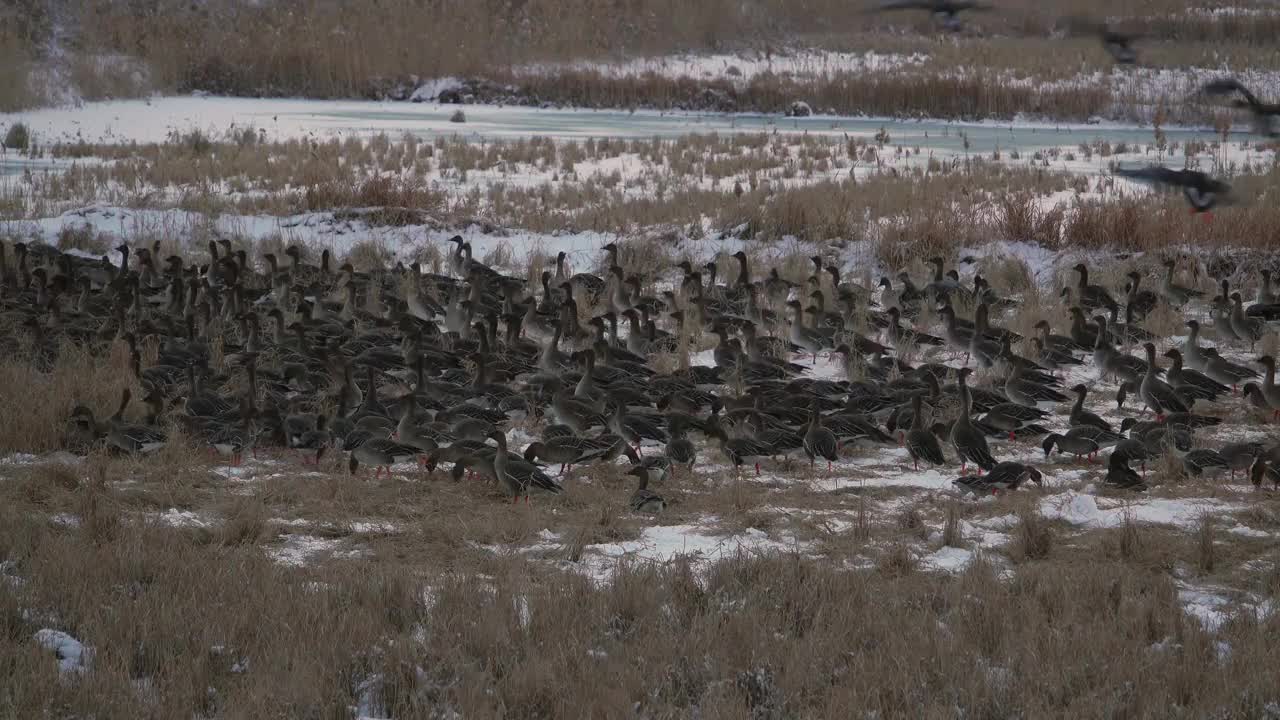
(399, 364)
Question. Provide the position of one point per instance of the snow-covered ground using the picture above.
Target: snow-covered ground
(738, 68)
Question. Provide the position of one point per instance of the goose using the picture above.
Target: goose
(983, 292)
(1173, 293)
(1253, 395)
(970, 444)
(1012, 417)
(1201, 460)
(1080, 445)
(777, 288)
(942, 287)
(909, 296)
(408, 433)
(1128, 331)
(1270, 391)
(1024, 391)
(570, 450)
(1201, 191)
(1138, 302)
(381, 454)
(1118, 45)
(956, 336)
(517, 476)
(1080, 416)
(824, 321)
(1265, 296)
(1159, 437)
(680, 450)
(1007, 361)
(578, 415)
(232, 439)
(1083, 334)
(1092, 297)
(854, 291)
(1244, 327)
(1263, 469)
(644, 500)
(1240, 455)
(1115, 363)
(1177, 376)
(1120, 475)
(1157, 394)
(902, 338)
(584, 282)
(922, 443)
(1266, 116)
(1060, 343)
(1220, 311)
(742, 451)
(819, 441)
(1191, 421)
(981, 347)
(1053, 358)
(128, 437)
(637, 427)
(946, 12)
(857, 429)
(1005, 476)
(805, 338)
(1225, 372)
(318, 438)
(1191, 351)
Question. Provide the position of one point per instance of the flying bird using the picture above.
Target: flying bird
(1266, 116)
(946, 11)
(1202, 191)
(1117, 44)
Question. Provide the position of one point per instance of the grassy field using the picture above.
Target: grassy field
(1018, 59)
(400, 193)
(182, 586)
(275, 589)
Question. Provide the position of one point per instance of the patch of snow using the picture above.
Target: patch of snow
(308, 230)
(9, 573)
(297, 550)
(173, 517)
(1246, 531)
(737, 68)
(241, 473)
(65, 520)
(663, 543)
(432, 89)
(948, 559)
(1211, 607)
(373, 526)
(1092, 512)
(73, 656)
(20, 459)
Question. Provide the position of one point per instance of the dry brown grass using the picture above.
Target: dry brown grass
(780, 636)
(1032, 536)
(15, 56)
(907, 215)
(428, 618)
(898, 94)
(77, 378)
(379, 51)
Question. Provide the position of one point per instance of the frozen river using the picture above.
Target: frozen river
(157, 118)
